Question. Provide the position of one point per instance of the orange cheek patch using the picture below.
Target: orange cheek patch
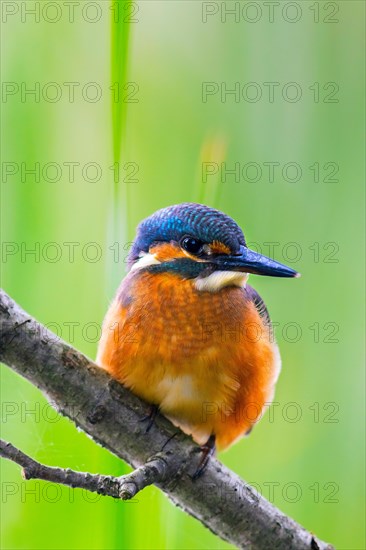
(218, 247)
(167, 251)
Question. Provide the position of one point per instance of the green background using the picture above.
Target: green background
(310, 449)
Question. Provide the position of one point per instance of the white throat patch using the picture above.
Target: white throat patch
(219, 279)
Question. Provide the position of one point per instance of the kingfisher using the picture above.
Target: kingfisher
(185, 331)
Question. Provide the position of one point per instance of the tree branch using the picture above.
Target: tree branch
(123, 487)
(111, 415)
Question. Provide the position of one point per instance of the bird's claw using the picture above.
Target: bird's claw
(207, 450)
(154, 409)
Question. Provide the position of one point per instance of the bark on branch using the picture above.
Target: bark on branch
(111, 415)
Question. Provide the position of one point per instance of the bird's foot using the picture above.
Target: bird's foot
(207, 450)
(153, 411)
(168, 441)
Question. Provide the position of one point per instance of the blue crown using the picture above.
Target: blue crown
(174, 222)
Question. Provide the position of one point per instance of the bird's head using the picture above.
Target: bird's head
(201, 243)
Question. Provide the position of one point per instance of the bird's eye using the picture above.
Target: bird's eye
(191, 245)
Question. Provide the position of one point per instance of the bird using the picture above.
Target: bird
(185, 331)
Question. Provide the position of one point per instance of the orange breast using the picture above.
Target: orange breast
(205, 358)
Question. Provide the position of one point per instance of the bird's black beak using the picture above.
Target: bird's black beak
(249, 261)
